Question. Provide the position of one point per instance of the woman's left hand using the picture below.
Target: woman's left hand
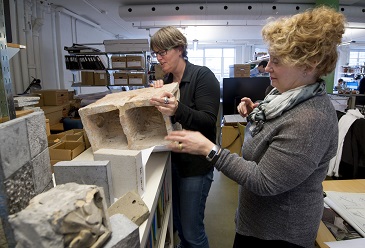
(166, 103)
(189, 142)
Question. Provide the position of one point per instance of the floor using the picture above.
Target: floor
(220, 211)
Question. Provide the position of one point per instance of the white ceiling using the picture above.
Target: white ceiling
(210, 25)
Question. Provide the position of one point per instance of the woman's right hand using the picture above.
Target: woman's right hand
(246, 106)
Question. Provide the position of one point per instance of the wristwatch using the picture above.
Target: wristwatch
(214, 154)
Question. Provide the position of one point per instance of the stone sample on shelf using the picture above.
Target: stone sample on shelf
(132, 206)
(125, 233)
(25, 167)
(68, 215)
(86, 172)
(126, 120)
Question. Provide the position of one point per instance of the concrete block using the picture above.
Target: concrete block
(126, 120)
(14, 148)
(86, 172)
(42, 171)
(125, 233)
(132, 206)
(37, 133)
(69, 215)
(124, 167)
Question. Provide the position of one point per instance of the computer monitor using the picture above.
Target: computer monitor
(236, 88)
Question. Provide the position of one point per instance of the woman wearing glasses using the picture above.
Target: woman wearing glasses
(196, 110)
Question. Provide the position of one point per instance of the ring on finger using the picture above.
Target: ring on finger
(166, 100)
(181, 147)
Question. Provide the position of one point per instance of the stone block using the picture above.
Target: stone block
(125, 233)
(127, 120)
(14, 148)
(68, 215)
(124, 169)
(42, 173)
(86, 172)
(37, 133)
(132, 206)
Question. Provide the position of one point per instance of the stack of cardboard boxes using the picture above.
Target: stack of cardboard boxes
(239, 70)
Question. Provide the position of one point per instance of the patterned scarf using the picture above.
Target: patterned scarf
(276, 103)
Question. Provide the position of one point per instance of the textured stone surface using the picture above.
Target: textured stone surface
(69, 215)
(125, 233)
(126, 120)
(132, 206)
(14, 148)
(124, 164)
(86, 172)
(42, 173)
(37, 135)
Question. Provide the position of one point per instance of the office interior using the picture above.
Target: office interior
(220, 34)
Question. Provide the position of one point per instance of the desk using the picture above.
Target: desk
(352, 99)
(355, 186)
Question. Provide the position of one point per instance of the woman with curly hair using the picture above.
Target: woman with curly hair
(293, 132)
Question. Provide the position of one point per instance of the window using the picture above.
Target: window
(217, 60)
(357, 57)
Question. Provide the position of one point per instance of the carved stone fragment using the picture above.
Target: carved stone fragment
(69, 215)
(126, 120)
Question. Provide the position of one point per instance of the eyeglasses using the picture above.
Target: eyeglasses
(161, 53)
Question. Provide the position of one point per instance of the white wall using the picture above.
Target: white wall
(45, 46)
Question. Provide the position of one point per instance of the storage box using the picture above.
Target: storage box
(53, 113)
(86, 139)
(135, 62)
(66, 150)
(54, 139)
(100, 78)
(54, 97)
(120, 78)
(159, 74)
(87, 77)
(119, 62)
(73, 137)
(126, 45)
(232, 138)
(136, 79)
(239, 70)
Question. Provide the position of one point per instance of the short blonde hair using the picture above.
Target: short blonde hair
(307, 39)
(169, 37)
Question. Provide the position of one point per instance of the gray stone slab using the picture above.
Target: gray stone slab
(125, 233)
(42, 171)
(86, 172)
(14, 148)
(37, 134)
(124, 167)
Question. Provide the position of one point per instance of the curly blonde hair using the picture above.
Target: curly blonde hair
(308, 39)
(169, 37)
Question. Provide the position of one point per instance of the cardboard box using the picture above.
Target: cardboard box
(126, 45)
(54, 97)
(54, 139)
(120, 78)
(87, 77)
(232, 138)
(136, 79)
(66, 150)
(159, 74)
(135, 62)
(48, 128)
(86, 139)
(239, 70)
(119, 62)
(54, 114)
(100, 78)
(73, 137)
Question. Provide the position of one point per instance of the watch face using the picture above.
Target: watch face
(211, 154)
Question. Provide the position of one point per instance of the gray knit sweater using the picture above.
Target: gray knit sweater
(281, 173)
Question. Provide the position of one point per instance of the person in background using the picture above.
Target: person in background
(259, 70)
(294, 135)
(196, 110)
(340, 85)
